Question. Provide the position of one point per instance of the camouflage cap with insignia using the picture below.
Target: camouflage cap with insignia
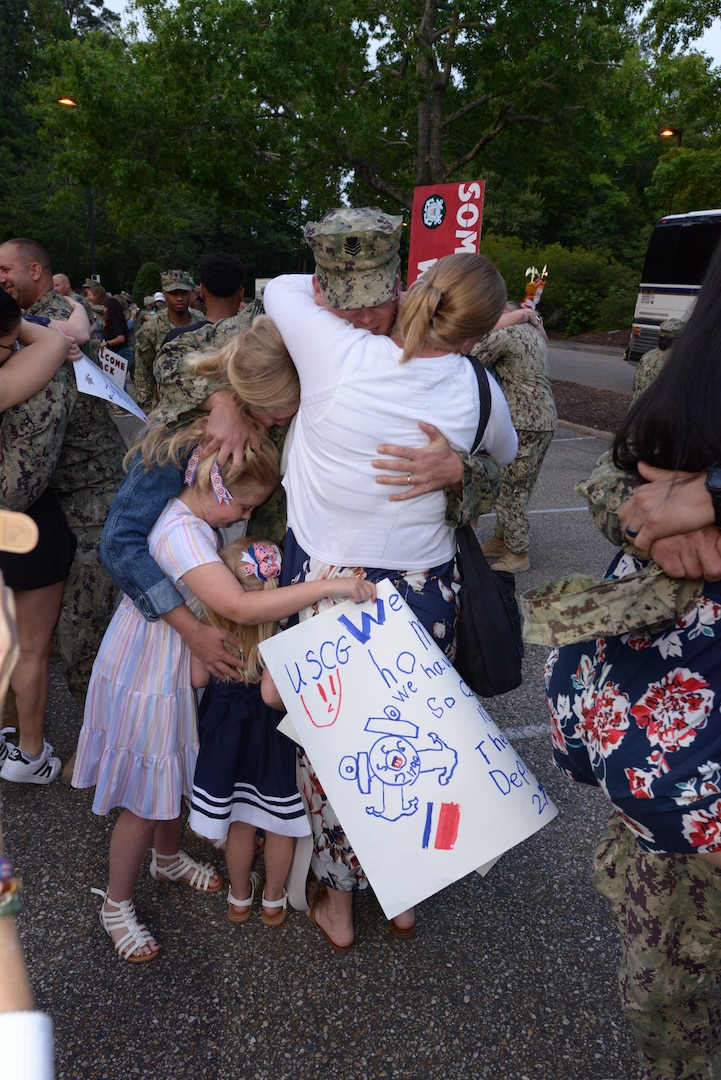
(175, 281)
(356, 256)
(669, 329)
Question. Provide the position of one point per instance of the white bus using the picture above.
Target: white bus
(679, 251)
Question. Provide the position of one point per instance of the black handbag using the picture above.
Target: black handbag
(488, 632)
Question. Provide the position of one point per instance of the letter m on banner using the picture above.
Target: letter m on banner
(446, 219)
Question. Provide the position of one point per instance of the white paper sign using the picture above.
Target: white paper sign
(91, 380)
(114, 365)
(426, 785)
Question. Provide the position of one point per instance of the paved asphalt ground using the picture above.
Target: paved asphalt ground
(510, 977)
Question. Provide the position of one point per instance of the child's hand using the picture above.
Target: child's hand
(351, 588)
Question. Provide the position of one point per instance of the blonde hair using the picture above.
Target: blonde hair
(250, 636)
(459, 298)
(256, 366)
(259, 463)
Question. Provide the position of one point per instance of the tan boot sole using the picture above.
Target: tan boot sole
(18, 532)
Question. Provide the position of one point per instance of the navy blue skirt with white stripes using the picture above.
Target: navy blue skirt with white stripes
(246, 769)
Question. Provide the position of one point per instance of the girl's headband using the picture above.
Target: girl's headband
(262, 560)
(216, 481)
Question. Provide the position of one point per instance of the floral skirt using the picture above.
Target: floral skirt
(639, 716)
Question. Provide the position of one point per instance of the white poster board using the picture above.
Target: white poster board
(91, 380)
(114, 365)
(425, 784)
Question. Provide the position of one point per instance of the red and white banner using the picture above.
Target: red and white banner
(446, 219)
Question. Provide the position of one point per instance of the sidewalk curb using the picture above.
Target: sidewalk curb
(578, 346)
(606, 436)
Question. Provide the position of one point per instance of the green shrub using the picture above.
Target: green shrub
(147, 282)
(585, 290)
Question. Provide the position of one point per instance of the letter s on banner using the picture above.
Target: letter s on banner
(446, 219)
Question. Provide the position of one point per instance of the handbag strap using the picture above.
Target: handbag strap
(484, 397)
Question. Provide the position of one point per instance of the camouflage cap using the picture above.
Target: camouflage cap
(669, 329)
(356, 256)
(176, 280)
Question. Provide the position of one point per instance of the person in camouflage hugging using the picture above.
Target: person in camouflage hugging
(88, 451)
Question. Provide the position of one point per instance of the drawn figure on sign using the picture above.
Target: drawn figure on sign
(394, 763)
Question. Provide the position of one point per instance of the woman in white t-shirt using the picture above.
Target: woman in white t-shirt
(359, 390)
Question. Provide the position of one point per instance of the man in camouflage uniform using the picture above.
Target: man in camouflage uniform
(62, 286)
(88, 452)
(222, 284)
(176, 285)
(652, 361)
(518, 355)
(345, 240)
(95, 296)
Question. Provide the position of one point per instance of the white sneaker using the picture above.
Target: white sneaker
(5, 746)
(24, 770)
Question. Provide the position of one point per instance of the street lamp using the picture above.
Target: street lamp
(671, 133)
(70, 103)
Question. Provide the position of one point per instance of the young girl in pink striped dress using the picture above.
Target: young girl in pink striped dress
(139, 742)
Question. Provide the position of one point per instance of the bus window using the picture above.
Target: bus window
(678, 253)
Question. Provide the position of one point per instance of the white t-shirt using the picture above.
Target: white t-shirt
(355, 395)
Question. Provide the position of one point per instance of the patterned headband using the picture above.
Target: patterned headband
(216, 481)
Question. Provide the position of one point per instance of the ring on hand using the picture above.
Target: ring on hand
(408, 480)
(633, 533)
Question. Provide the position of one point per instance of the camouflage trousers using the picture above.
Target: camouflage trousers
(517, 483)
(89, 600)
(668, 912)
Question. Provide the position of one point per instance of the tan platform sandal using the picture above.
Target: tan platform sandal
(243, 916)
(280, 908)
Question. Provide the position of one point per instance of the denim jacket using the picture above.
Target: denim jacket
(124, 545)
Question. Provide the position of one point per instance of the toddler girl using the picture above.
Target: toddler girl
(245, 776)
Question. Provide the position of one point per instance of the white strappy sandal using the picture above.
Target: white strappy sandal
(137, 936)
(174, 870)
(248, 903)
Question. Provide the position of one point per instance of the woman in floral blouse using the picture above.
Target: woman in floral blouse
(639, 715)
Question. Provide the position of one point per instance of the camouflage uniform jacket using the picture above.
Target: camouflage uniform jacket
(88, 310)
(648, 368)
(148, 340)
(31, 436)
(181, 392)
(580, 608)
(89, 452)
(519, 356)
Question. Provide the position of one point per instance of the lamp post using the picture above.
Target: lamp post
(70, 103)
(671, 133)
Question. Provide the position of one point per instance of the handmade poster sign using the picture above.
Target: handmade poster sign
(114, 365)
(91, 380)
(426, 785)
